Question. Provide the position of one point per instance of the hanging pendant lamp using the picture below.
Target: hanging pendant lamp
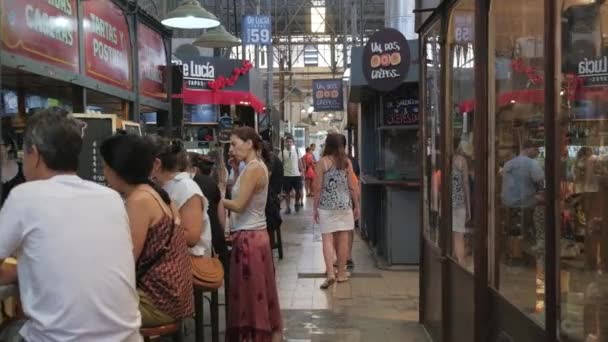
(217, 38)
(190, 15)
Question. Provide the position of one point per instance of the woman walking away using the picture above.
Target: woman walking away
(164, 281)
(334, 211)
(254, 314)
(309, 173)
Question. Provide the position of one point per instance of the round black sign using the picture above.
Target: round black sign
(386, 60)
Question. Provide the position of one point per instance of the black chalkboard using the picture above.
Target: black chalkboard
(98, 128)
(131, 127)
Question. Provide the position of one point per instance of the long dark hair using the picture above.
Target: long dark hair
(335, 149)
(247, 133)
(171, 153)
(131, 158)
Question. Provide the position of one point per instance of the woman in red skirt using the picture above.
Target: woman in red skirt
(254, 314)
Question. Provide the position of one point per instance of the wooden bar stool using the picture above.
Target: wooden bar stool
(172, 330)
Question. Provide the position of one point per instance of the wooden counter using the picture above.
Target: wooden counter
(371, 180)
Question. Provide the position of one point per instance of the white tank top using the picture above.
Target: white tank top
(254, 215)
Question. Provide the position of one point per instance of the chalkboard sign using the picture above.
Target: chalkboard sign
(131, 127)
(97, 129)
(400, 112)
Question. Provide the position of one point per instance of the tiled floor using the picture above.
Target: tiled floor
(375, 305)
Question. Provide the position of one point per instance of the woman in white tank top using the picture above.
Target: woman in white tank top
(252, 278)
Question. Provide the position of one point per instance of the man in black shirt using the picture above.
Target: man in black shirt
(217, 213)
(275, 186)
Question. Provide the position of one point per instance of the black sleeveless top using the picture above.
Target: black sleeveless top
(8, 186)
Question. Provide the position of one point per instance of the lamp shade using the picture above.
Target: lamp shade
(217, 38)
(190, 15)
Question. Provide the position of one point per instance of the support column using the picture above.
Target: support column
(399, 14)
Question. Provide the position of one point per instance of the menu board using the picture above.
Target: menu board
(46, 31)
(200, 114)
(107, 43)
(131, 127)
(152, 62)
(386, 60)
(400, 112)
(97, 129)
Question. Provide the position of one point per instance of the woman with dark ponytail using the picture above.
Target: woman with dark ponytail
(254, 313)
(164, 281)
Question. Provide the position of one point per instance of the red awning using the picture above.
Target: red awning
(221, 97)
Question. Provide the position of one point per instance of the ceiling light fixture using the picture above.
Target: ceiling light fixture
(190, 15)
(217, 38)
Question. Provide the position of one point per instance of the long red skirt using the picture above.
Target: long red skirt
(254, 313)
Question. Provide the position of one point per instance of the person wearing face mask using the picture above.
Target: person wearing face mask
(12, 174)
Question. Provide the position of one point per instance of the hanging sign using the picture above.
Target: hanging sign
(46, 31)
(327, 95)
(200, 114)
(593, 71)
(107, 43)
(257, 30)
(152, 63)
(386, 60)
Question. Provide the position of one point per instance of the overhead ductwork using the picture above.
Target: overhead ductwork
(399, 14)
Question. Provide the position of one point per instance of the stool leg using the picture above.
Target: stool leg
(178, 336)
(280, 242)
(199, 328)
(147, 339)
(215, 316)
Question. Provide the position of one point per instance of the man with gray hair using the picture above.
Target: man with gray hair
(72, 241)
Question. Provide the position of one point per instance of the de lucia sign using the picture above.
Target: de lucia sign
(386, 60)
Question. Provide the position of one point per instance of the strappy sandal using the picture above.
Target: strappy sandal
(327, 283)
(343, 280)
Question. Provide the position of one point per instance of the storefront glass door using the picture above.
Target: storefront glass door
(516, 159)
(432, 264)
(582, 135)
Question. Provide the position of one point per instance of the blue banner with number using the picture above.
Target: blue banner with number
(257, 30)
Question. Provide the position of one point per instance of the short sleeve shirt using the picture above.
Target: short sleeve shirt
(76, 268)
(182, 188)
(291, 160)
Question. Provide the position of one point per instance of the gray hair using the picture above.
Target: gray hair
(57, 136)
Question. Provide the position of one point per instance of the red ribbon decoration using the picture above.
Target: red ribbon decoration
(223, 82)
(533, 76)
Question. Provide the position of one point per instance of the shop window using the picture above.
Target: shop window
(461, 77)
(583, 175)
(398, 133)
(432, 124)
(516, 142)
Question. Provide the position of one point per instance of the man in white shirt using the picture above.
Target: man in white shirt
(72, 241)
(292, 174)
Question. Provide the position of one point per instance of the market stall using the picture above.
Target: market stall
(100, 58)
(384, 85)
